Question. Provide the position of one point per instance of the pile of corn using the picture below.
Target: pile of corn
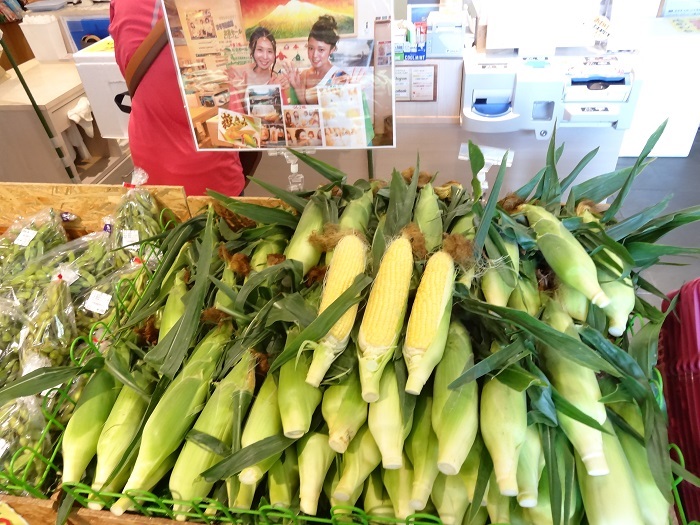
(400, 348)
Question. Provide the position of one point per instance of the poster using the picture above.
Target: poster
(267, 83)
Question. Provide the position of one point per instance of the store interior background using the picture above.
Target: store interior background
(433, 132)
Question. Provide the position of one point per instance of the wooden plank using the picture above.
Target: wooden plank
(89, 202)
(36, 512)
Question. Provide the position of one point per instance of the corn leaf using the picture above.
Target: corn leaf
(329, 172)
(487, 213)
(656, 438)
(619, 423)
(46, 378)
(168, 354)
(64, 508)
(482, 480)
(648, 287)
(247, 457)
(636, 170)
(648, 254)
(208, 442)
(525, 191)
(402, 198)
(686, 475)
(637, 221)
(660, 226)
(549, 436)
(293, 308)
(544, 411)
(121, 371)
(624, 364)
(523, 235)
(570, 347)
(477, 163)
(253, 335)
(274, 274)
(567, 469)
(406, 401)
(551, 188)
(517, 378)
(644, 347)
(296, 202)
(569, 179)
(378, 245)
(570, 410)
(603, 186)
(325, 321)
(256, 212)
(513, 352)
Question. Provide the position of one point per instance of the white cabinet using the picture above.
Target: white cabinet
(26, 152)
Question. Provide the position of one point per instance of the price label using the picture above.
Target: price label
(98, 302)
(25, 237)
(68, 274)
(130, 237)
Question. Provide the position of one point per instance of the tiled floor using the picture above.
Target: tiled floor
(438, 146)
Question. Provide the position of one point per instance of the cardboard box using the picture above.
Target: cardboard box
(105, 87)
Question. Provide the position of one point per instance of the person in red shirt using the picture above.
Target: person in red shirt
(160, 133)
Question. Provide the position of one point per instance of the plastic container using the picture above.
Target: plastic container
(679, 364)
(43, 35)
(85, 31)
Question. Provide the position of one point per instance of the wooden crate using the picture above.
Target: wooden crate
(91, 203)
(197, 204)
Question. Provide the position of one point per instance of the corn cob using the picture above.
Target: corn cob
(499, 281)
(503, 427)
(450, 497)
(360, 459)
(299, 247)
(579, 386)
(263, 421)
(455, 413)
(610, 499)
(283, 480)
(349, 261)
(375, 499)
(384, 315)
(300, 399)
(355, 218)
(470, 469)
(429, 322)
(386, 423)
(118, 431)
(315, 458)
(174, 414)
(84, 428)
(497, 504)
(271, 245)
(565, 255)
(428, 217)
(530, 466)
(572, 301)
(215, 420)
(344, 411)
(399, 483)
(422, 450)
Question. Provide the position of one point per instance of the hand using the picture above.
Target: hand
(293, 75)
(237, 76)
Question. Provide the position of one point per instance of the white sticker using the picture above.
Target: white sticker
(98, 302)
(130, 237)
(68, 274)
(25, 237)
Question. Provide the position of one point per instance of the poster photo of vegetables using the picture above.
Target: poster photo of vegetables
(246, 66)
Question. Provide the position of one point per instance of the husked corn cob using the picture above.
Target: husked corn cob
(384, 315)
(429, 322)
(349, 261)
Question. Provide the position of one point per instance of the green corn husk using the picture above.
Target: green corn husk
(654, 507)
(283, 480)
(299, 247)
(422, 450)
(530, 466)
(375, 498)
(118, 431)
(329, 489)
(503, 427)
(84, 428)
(564, 254)
(245, 496)
(482, 516)
(526, 296)
(429, 218)
(450, 498)
(499, 281)
(232, 395)
(355, 216)
(386, 423)
(455, 413)
(315, 458)
(360, 459)
(398, 484)
(269, 246)
(470, 469)
(344, 411)
(497, 505)
(299, 399)
(263, 421)
(578, 385)
(572, 301)
(622, 301)
(222, 301)
(176, 411)
(611, 498)
(174, 306)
